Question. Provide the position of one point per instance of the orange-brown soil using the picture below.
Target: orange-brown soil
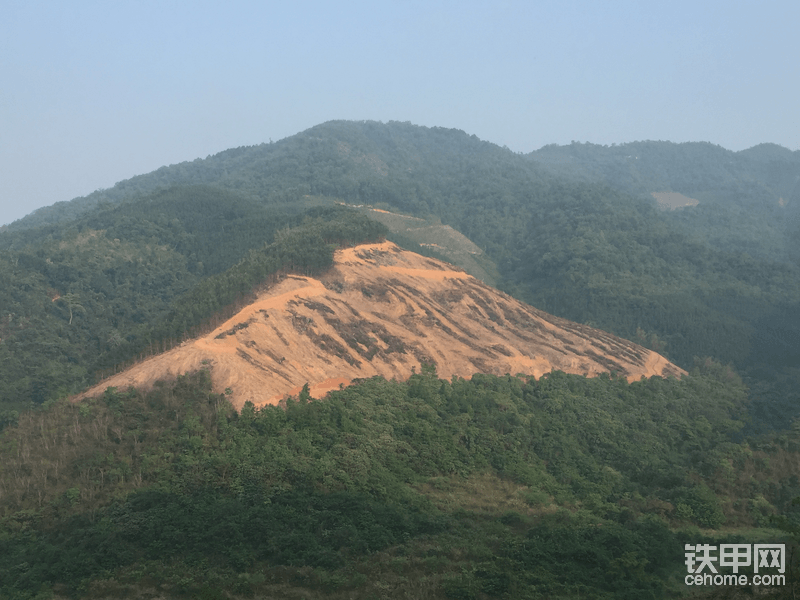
(385, 311)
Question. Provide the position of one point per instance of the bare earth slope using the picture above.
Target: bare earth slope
(384, 311)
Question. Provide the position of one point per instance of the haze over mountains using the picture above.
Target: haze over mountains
(345, 159)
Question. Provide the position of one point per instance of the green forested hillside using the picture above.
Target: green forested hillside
(749, 200)
(497, 487)
(136, 277)
(572, 230)
(564, 487)
(727, 269)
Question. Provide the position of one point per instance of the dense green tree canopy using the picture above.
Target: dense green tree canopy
(493, 487)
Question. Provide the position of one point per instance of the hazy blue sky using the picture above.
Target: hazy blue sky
(95, 92)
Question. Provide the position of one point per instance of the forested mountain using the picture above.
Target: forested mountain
(494, 487)
(572, 230)
(748, 201)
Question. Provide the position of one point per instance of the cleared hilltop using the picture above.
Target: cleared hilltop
(385, 311)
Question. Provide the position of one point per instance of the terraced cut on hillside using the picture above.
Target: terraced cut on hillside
(429, 233)
(385, 311)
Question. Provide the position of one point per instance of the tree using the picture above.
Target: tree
(71, 300)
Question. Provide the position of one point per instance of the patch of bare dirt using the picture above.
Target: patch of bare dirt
(673, 200)
(384, 311)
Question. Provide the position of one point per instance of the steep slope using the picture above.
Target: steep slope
(426, 236)
(385, 311)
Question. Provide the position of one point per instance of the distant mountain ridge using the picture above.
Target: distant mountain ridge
(768, 171)
(366, 144)
(341, 153)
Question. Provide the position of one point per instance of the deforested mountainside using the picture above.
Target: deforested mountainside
(719, 279)
(127, 279)
(429, 237)
(381, 310)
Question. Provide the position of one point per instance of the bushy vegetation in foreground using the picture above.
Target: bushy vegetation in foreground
(497, 487)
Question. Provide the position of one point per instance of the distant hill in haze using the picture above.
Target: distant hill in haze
(759, 186)
(767, 171)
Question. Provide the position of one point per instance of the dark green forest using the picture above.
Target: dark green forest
(496, 487)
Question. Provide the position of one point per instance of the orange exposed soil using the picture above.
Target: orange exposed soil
(384, 311)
